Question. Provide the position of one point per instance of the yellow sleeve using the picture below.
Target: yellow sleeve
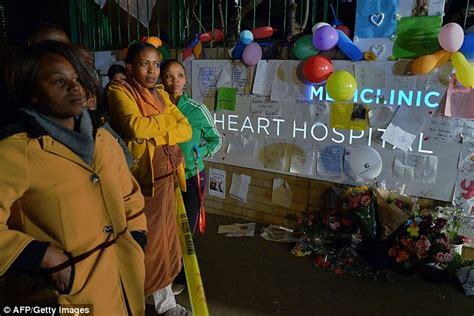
(126, 115)
(183, 131)
(14, 175)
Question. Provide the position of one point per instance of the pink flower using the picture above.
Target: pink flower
(444, 257)
(466, 239)
(423, 243)
(365, 200)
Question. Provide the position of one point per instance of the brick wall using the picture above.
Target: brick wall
(308, 195)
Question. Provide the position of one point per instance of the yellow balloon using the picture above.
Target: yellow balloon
(425, 64)
(464, 71)
(341, 86)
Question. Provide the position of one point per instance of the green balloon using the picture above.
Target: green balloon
(304, 47)
(164, 52)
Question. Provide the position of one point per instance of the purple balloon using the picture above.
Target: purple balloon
(252, 54)
(325, 37)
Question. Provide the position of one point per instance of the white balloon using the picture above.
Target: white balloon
(318, 25)
(362, 164)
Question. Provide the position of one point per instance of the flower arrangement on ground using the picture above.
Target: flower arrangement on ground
(422, 240)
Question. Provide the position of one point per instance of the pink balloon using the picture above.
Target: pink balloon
(325, 37)
(252, 54)
(451, 37)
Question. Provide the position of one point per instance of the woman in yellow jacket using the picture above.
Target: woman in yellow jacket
(71, 220)
(152, 125)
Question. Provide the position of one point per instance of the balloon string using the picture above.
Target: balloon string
(465, 16)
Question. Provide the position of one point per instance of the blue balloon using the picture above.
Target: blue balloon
(467, 48)
(348, 47)
(246, 37)
(238, 50)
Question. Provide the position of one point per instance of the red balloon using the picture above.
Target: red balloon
(207, 37)
(344, 29)
(317, 68)
(262, 32)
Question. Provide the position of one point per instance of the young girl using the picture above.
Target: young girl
(205, 142)
(71, 220)
(152, 126)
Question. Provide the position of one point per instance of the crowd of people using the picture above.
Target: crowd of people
(88, 176)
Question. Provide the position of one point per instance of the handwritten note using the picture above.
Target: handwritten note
(405, 126)
(330, 161)
(302, 157)
(226, 98)
(416, 167)
(459, 100)
(239, 187)
(241, 78)
(264, 77)
(281, 193)
(264, 107)
(274, 153)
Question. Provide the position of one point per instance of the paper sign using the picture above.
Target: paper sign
(459, 100)
(226, 98)
(281, 193)
(330, 161)
(239, 187)
(217, 183)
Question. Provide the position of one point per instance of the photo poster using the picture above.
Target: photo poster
(257, 120)
(217, 185)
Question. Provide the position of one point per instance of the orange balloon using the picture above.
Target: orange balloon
(317, 68)
(155, 41)
(425, 64)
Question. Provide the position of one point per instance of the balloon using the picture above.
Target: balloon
(348, 47)
(197, 50)
(246, 37)
(425, 64)
(238, 50)
(344, 29)
(464, 71)
(208, 36)
(451, 37)
(304, 47)
(341, 86)
(263, 32)
(165, 54)
(194, 41)
(362, 163)
(252, 54)
(318, 25)
(325, 37)
(317, 69)
(467, 47)
(155, 41)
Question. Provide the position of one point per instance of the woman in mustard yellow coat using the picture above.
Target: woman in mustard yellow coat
(71, 220)
(152, 125)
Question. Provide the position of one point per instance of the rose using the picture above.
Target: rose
(365, 200)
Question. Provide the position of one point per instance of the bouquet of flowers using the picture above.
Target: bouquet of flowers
(422, 240)
(360, 201)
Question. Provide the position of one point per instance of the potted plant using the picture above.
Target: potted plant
(455, 221)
